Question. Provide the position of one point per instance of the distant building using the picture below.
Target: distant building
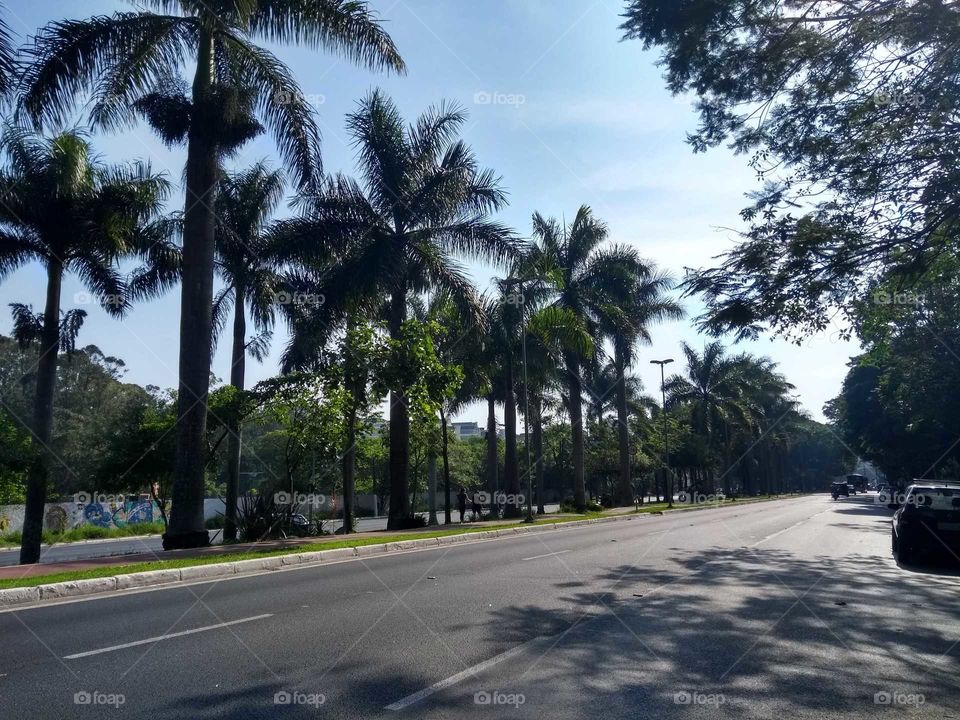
(464, 430)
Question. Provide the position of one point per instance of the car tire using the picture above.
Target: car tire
(905, 554)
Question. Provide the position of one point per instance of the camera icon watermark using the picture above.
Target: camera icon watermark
(499, 698)
(282, 97)
(897, 298)
(287, 697)
(85, 497)
(96, 697)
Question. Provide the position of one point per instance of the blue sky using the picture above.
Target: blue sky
(562, 109)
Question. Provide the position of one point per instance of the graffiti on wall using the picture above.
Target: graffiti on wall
(120, 514)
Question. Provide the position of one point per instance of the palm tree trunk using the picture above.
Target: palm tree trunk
(538, 451)
(432, 489)
(237, 373)
(42, 426)
(348, 464)
(186, 527)
(511, 475)
(575, 388)
(444, 450)
(624, 487)
(492, 457)
(399, 430)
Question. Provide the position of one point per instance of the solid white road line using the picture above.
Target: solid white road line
(454, 679)
(88, 653)
(537, 557)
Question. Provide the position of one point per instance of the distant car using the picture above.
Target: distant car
(858, 483)
(840, 488)
(928, 523)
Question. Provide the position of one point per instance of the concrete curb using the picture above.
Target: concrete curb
(16, 597)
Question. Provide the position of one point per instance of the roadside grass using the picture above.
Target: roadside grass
(88, 532)
(111, 570)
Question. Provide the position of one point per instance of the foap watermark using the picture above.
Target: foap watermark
(911, 99)
(513, 299)
(692, 697)
(897, 298)
(896, 697)
(485, 97)
(295, 697)
(499, 698)
(698, 498)
(282, 97)
(85, 298)
(298, 298)
(97, 697)
(500, 498)
(288, 498)
(86, 498)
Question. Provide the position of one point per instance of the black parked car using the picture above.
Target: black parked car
(928, 523)
(839, 488)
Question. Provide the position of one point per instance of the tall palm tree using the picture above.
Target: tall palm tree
(714, 388)
(588, 277)
(626, 323)
(61, 207)
(132, 63)
(8, 63)
(247, 261)
(422, 203)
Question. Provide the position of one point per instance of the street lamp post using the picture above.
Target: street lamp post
(526, 396)
(663, 412)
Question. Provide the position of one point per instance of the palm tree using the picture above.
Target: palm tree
(588, 280)
(423, 202)
(132, 63)
(61, 207)
(626, 323)
(714, 388)
(8, 63)
(247, 262)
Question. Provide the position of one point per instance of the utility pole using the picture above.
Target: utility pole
(663, 412)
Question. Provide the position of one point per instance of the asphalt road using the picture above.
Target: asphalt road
(789, 609)
(85, 550)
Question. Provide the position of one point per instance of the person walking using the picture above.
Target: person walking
(476, 506)
(462, 504)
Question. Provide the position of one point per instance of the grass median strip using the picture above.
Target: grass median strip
(111, 570)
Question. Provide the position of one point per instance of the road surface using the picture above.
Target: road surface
(785, 609)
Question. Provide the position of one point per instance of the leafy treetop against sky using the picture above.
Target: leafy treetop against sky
(562, 109)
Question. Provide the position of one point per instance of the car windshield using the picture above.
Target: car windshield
(934, 498)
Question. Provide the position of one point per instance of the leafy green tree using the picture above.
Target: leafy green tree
(61, 207)
(848, 113)
(132, 63)
(423, 202)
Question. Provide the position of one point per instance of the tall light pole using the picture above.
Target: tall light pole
(663, 413)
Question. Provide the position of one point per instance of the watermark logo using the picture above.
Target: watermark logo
(499, 698)
(282, 97)
(86, 498)
(106, 300)
(912, 99)
(500, 498)
(688, 697)
(700, 498)
(285, 697)
(895, 697)
(897, 298)
(513, 299)
(485, 97)
(288, 498)
(298, 298)
(96, 697)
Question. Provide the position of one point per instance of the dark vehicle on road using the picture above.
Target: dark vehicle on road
(928, 523)
(839, 488)
(857, 482)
